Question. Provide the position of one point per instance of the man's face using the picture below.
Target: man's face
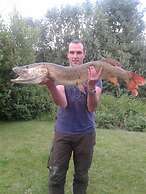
(76, 54)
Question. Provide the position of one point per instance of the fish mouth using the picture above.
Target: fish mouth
(19, 79)
(13, 75)
(28, 80)
(22, 76)
(19, 76)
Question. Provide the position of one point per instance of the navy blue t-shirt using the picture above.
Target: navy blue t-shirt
(75, 118)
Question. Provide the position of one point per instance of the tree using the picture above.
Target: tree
(57, 30)
(24, 37)
(127, 25)
(17, 47)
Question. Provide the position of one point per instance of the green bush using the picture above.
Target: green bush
(125, 112)
(135, 122)
(25, 103)
(32, 102)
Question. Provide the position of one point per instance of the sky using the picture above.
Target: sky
(37, 8)
(32, 8)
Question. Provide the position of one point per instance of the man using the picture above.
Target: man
(75, 126)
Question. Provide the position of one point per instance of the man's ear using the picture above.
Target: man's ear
(85, 53)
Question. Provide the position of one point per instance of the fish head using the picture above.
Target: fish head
(30, 74)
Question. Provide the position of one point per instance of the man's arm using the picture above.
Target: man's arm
(57, 92)
(94, 92)
(93, 98)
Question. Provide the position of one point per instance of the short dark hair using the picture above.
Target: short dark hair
(76, 41)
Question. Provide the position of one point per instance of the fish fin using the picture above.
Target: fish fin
(81, 88)
(134, 92)
(135, 81)
(111, 61)
(113, 80)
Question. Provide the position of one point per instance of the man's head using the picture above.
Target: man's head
(76, 53)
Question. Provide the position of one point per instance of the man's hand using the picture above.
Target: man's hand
(57, 92)
(93, 76)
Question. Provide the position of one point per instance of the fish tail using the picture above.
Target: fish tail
(134, 82)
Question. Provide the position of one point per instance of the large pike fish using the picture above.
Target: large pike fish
(77, 75)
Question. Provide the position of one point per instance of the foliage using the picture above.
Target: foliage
(25, 103)
(24, 37)
(127, 26)
(16, 47)
(7, 58)
(124, 112)
(57, 30)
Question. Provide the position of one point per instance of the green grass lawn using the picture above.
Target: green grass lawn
(119, 163)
